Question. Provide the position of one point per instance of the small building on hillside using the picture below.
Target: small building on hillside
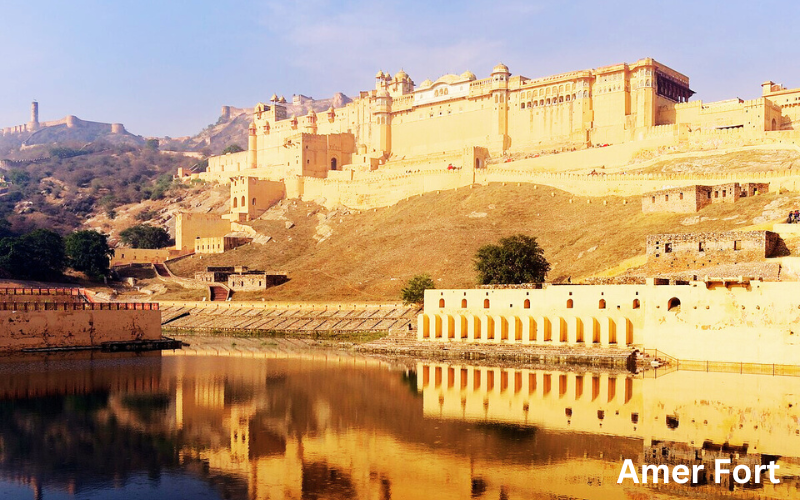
(219, 244)
(240, 278)
(675, 252)
(690, 199)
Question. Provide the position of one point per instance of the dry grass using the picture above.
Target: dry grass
(371, 254)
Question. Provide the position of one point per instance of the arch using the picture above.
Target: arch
(526, 304)
(476, 327)
(437, 326)
(441, 303)
(426, 326)
(774, 124)
(628, 332)
(243, 202)
(235, 202)
(463, 303)
(517, 329)
(254, 202)
(570, 304)
(636, 304)
(451, 327)
(334, 163)
(464, 327)
(486, 303)
(601, 304)
(490, 328)
(674, 304)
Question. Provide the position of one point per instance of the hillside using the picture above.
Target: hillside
(369, 255)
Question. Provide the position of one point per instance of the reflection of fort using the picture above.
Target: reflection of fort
(322, 425)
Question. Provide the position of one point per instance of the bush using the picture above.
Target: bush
(517, 259)
(414, 291)
(232, 148)
(145, 236)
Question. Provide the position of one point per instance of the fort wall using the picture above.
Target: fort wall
(677, 252)
(124, 256)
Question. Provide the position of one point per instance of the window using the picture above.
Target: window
(569, 304)
(680, 197)
(527, 304)
(701, 247)
(636, 303)
(601, 304)
(486, 303)
(463, 303)
(674, 304)
(666, 197)
(441, 303)
(737, 245)
(654, 199)
(667, 247)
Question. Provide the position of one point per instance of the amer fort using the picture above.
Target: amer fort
(578, 132)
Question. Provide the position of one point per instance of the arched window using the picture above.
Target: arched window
(463, 303)
(441, 302)
(569, 304)
(674, 304)
(527, 304)
(235, 202)
(254, 202)
(486, 303)
(636, 303)
(333, 164)
(601, 304)
(243, 202)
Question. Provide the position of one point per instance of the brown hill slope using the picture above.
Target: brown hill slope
(369, 255)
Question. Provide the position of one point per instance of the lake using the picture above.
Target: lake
(331, 425)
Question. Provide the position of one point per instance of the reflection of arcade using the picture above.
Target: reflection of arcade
(681, 418)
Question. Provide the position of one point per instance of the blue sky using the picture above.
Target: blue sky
(165, 68)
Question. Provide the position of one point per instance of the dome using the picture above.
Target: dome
(500, 68)
(468, 75)
(274, 98)
(401, 76)
(380, 74)
(282, 100)
(425, 84)
(449, 78)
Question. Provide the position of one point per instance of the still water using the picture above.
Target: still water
(332, 426)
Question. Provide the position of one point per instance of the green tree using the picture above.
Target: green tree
(37, 255)
(145, 236)
(232, 148)
(414, 291)
(88, 251)
(516, 259)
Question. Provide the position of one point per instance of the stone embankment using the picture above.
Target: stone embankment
(254, 317)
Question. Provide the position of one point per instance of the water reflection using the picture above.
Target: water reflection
(331, 426)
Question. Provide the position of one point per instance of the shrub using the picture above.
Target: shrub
(414, 291)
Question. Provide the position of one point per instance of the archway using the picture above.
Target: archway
(333, 163)
(774, 124)
(235, 202)
(674, 304)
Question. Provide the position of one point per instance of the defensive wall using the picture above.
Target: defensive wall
(190, 226)
(690, 199)
(124, 256)
(67, 318)
(730, 320)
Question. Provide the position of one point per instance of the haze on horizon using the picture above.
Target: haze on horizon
(165, 68)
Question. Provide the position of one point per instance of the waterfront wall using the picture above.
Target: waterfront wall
(42, 325)
(739, 321)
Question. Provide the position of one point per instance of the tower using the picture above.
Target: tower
(500, 75)
(34, 123)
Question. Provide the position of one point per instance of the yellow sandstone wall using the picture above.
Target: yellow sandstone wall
(190, 226)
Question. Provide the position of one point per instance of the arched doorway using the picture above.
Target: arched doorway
(674, 304)
(333, 163)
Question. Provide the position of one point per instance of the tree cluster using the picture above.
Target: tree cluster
(43, 254)
(145, 236)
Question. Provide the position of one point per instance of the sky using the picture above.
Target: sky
(164, 68)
